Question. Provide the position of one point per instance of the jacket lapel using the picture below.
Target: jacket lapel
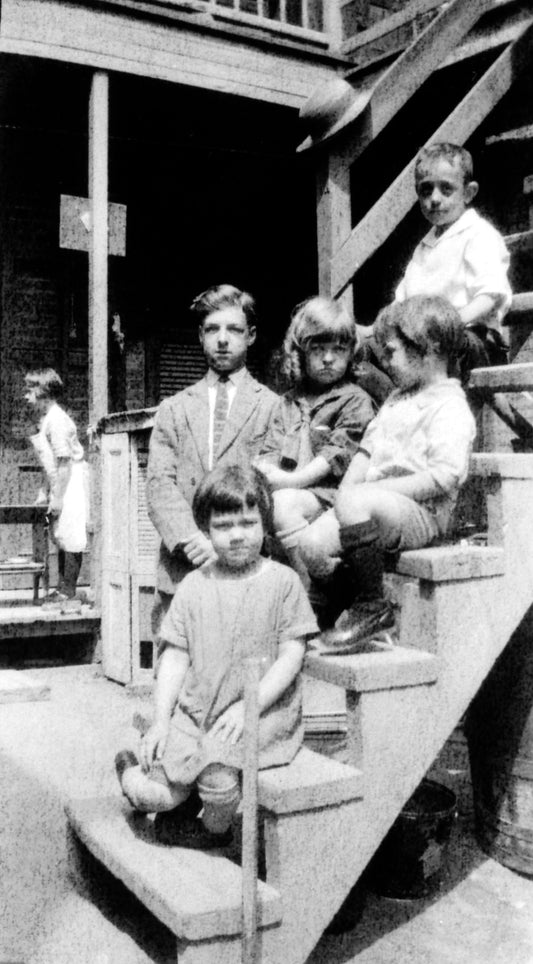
(242, 409)
(196, 406)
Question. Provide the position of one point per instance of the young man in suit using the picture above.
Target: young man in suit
(222, 418)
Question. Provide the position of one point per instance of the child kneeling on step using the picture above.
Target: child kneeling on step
(401, 487)
(239, 606)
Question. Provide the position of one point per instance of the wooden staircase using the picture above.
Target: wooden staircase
(459, 605)
(323, 820)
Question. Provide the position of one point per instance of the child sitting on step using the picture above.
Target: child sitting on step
(318, 424)
(463, 258)
(400, 489)
(65, 491)
(239, 606)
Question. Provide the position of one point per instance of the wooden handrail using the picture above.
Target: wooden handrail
(377, 225)
(405, 16)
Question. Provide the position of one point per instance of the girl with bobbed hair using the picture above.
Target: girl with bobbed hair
(318, 422)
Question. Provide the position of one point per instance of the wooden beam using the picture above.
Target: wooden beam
(98, 245)
(334, 215)
(517, 134)
(379, 104)
(396, 202)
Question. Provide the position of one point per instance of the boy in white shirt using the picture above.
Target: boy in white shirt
(463, 257)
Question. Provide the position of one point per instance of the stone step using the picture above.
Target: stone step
(310, 781)
(195, 894)
(522, 301)
(452, 563)
(387, 667)
(501, 464)
(503, 378)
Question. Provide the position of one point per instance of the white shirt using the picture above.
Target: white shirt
(429, 432)
(234, 380)
(467, 260)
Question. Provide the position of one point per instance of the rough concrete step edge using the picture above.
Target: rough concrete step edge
(388, 668)
(194, 893)
(452, 563)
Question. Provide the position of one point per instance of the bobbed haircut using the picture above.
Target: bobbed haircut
(233, 488)
(223, 296)
(423, 324)
(46, 381)
(453, 153)
(316, 320)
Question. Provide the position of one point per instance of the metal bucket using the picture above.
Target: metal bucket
(410, 860)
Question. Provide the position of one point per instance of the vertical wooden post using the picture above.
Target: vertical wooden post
(249, 811)
(334, 219)
(98, 246)
(98, 301)
(333, 23)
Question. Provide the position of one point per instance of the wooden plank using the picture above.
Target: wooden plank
(521, 241)
(522, 302)
(116, 557)
(17, 687)
(504, 378)
(334, 215)
(397, 20)
(98, 245)
(197, 895)
(517, 134)
(109, 40)
(377, 105)
(22, 514)
(389, 668)
(376, 226)
(25, 622)
(389, 24)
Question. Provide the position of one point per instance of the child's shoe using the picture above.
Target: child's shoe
(356, 626)
(175, 830)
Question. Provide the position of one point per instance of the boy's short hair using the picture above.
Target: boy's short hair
(233, 488)
(316, 319)
(423, 324)
(46, 381)
(450, 152)
(223, 296)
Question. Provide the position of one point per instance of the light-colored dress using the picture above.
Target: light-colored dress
(220, 621)
(56, 439)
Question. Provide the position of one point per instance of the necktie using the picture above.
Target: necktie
(220, 413)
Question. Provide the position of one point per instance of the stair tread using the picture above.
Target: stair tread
(385, 668)
(309, 781)
(503, 464)
(452, 562)
(196, 894)
(504, 378)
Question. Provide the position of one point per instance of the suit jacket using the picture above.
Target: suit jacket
(178, 461)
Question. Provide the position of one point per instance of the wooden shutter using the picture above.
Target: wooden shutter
(116, 554)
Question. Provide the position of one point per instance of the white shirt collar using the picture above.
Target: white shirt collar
(467, 219)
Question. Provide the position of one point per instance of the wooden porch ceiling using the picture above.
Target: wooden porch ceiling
(189, 52)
